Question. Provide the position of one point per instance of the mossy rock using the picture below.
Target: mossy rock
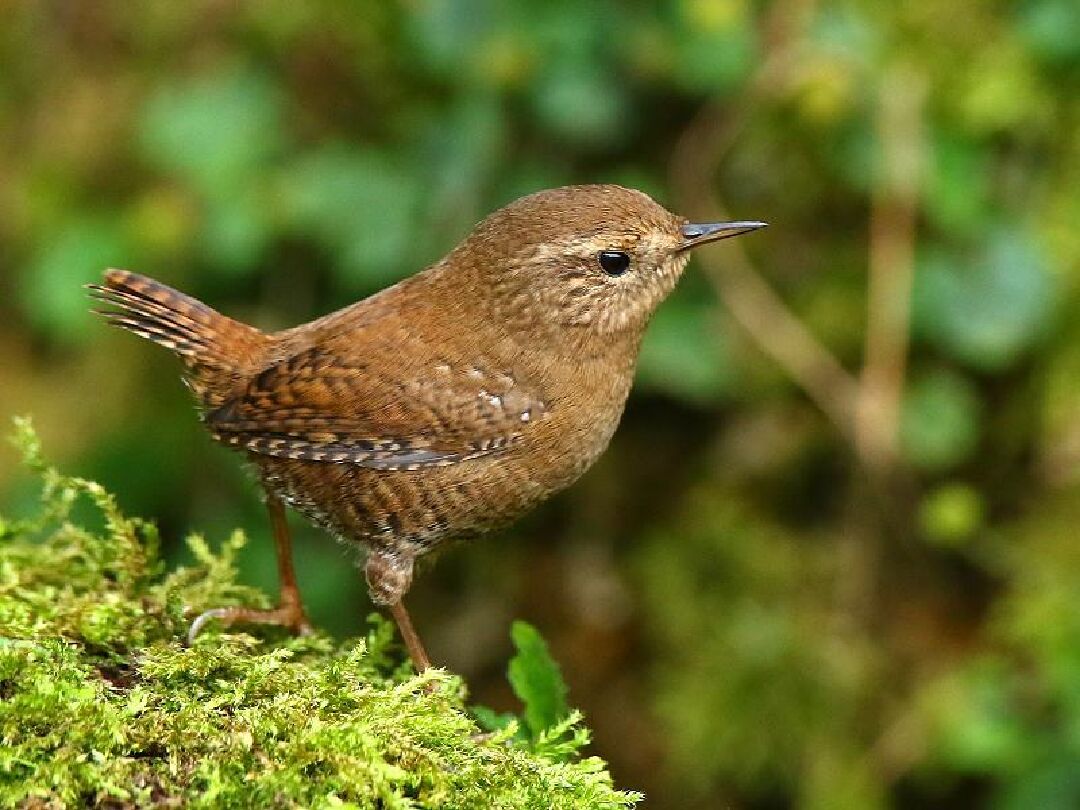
(102, 704)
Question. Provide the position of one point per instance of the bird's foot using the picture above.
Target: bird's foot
(289, 616)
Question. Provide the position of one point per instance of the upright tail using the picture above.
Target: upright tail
(215, 349)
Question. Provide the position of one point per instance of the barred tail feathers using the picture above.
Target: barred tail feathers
(214, 347)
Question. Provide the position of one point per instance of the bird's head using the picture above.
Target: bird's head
(597, 257)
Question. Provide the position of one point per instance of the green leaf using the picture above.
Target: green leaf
(491, 720)
(951, 514)
(847, 32)
(446, 32)
(77, 253)
(716, 46)
(684, 353)
(216, 131)
(1053, 782)
(580, 101)
(359, 203)
(1052, 29)
(237, 232)
(976, 730)
(459, 154)
(957, 190)
(536, 680)
(940, 423)
(988, 310)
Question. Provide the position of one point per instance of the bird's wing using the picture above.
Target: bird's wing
(318, 407)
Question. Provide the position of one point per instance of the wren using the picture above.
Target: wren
(446, 405)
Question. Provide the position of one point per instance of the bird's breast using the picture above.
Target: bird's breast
(584, 410)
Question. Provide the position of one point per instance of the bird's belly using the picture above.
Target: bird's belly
(408, 512)
(414, 511)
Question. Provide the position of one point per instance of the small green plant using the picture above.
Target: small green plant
(546, 725)
(102, 705)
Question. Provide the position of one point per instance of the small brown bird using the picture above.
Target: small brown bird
(446, 405)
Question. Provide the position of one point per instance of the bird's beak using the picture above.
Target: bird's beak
(699, 233)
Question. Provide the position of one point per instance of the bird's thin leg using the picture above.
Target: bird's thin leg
(412, 641)
(290, 609)
(289, 599)
(389, 575)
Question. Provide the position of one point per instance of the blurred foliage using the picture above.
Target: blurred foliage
(749, 612)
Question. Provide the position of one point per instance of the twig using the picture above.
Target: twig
(761, 312)
(891, 266)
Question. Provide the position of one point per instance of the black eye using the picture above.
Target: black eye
(613, 262)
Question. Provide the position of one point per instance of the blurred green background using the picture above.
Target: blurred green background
(832, 558)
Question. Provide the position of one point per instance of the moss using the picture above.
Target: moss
(101, 704)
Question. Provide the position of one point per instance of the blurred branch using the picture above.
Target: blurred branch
(900, 746)
(891, 265)
(1058, 463)
(697, 156)
(866, 409)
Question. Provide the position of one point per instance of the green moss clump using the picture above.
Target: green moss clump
(102, 705)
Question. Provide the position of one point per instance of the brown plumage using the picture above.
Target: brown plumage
(447, 404)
